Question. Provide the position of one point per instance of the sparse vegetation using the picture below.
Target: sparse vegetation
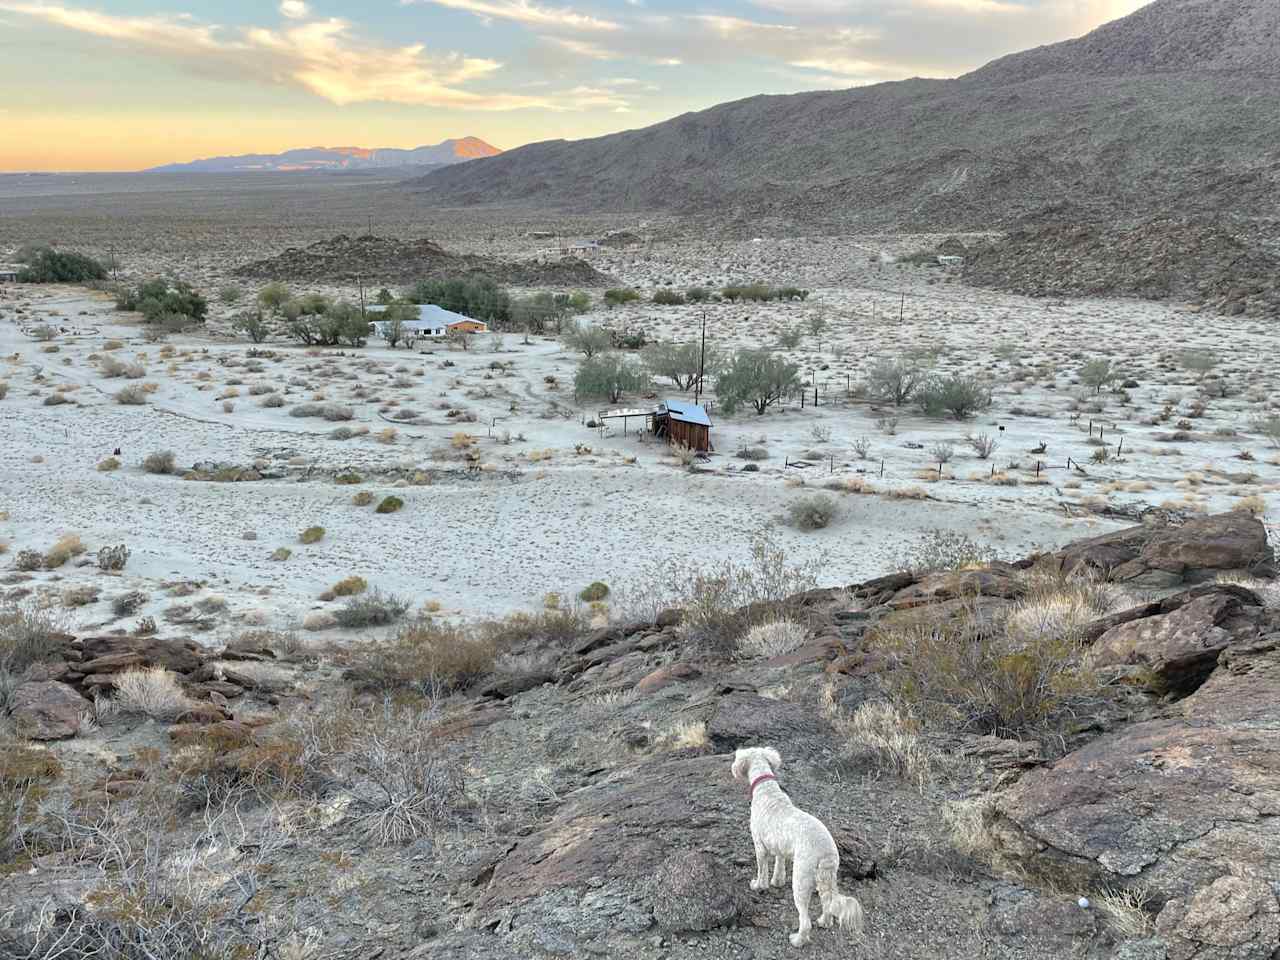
(162, 461)
(311, 535)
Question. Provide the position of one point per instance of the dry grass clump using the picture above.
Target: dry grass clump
(161, 461)
(64, 549)
(969, 826)
(132, 395)
(371, 609)
(812, 512)
(108, 465)
(349, 586)
(28, 634)
(881, 732)
(362, 499)
(153, 691)
(685, 735)
(429, 656)
(1127, 911)
(773, 638)
(907, 493)
(311, 535)
(1254, 505)
(80, 596)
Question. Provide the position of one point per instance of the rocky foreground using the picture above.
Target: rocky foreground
(578, 800)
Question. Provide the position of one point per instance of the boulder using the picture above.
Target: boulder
(47, 710)
(952, 585)
(665, 676)
(1173, 803)
(1157, 556)
(1233, 918)
(1178, 650)
(505, 686)
(749, 720)
(111, 654)
(695, 891)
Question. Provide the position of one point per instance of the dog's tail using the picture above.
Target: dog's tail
(846, 910)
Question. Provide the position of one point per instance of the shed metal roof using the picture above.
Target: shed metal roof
(430, 314)
(687, 412)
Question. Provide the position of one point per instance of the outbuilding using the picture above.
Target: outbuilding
(683, 424)
(9, 272)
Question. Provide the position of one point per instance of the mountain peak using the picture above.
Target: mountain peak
(339, 158)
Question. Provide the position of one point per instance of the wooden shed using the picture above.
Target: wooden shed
(684, 424)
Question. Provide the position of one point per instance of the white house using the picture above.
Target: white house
(433, 322)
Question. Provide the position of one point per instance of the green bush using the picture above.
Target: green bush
(477, 297)
(169, 302)
(54, 266)
(757, 377)
(617, 296)
(940, 550)
(389, 505)
(668, 298)
(311, 535)
(371, 609)
(162, 461)
(812, 512)
(608, 376)
(594, 592)
(957, 395)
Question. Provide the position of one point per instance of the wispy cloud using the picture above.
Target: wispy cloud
(523, 11)
(324, 57)
(294, 9)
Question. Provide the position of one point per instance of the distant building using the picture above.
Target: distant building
(951, 261)
(9, 272)
(433, 322)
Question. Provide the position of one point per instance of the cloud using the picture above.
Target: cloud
(322, 57)
(294, 9)
(524, 11)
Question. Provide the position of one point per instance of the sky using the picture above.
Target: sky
(127, 84)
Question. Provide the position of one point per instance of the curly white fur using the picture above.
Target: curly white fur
(785, 832)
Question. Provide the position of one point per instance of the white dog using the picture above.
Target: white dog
(785, 832)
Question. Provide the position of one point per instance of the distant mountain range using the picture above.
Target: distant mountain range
(1174, 109)
(339, 158)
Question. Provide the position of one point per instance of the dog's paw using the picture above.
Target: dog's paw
(824, 921)
(799, 939)
(759, 884)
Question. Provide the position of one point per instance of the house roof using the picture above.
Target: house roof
(687, 412)
(431, 315)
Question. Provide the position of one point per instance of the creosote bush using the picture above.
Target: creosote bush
(939, 549)
(162, 461)
(389, 505)
(371, 609)
(812, 512)
(349, 586)
(113, 558)
(594, 592)
(311, 535)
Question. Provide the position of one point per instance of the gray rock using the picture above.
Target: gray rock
(1233, 918)
(47, 710)
(694, 891)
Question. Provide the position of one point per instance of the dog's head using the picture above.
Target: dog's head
(747, 757)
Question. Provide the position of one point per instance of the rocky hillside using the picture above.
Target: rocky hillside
(537, 788)
(1173, 109)
(388, 260)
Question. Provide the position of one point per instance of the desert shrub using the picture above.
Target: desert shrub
(942, 451)
(697, 294)
(362, 499)
(428, 656)
(28, 634)
(608, 376)
(113, 558)
(983, 444)
(773, 638)
(1097, 374)
(371, 609)
(80, 596)
(478, 297)
(64, 549)
(895, 381)
(132, 395)
(57, 266)
(878, 731)
(587, 339)
(161, 461)
(348, 479)
(681, 363)
(252, 324)
(349, 586)
(757, 377)
(56, 399)
(271, 401)
(335, 411)
(172, 303)
(752, 453)
(957, 395)
(389, 505)
(620, 295)
(4, 389)
(110, 366)
(230, 294)
(1269, 427)
(939, 550)
(812, 512)
(108, 465)
(970, 673)
(311, 535)
(152, 691)
(280, 554)
(555, 625)
(128, 603)
(668, 298)
(594, 592)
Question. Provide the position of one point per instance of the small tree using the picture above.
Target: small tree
(460, 338)
(757, 377)
(252, 324)
(588, 339)
(620, 295)
(957, 395)
(1097, 374)
(609, 375)
(393, 320)
(273, 296)
(579, 301)
(54, 266)
(895, 381)
(680, 362)
(384, 297)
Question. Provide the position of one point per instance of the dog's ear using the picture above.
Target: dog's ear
(774, 758)
(741, 758)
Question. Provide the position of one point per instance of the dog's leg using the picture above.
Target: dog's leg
(779, 871)
(802, 891)
(762, 867)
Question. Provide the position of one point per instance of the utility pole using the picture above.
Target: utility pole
(360, 281)
(702, 358)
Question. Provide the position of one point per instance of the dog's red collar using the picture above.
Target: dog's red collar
(751, 791)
